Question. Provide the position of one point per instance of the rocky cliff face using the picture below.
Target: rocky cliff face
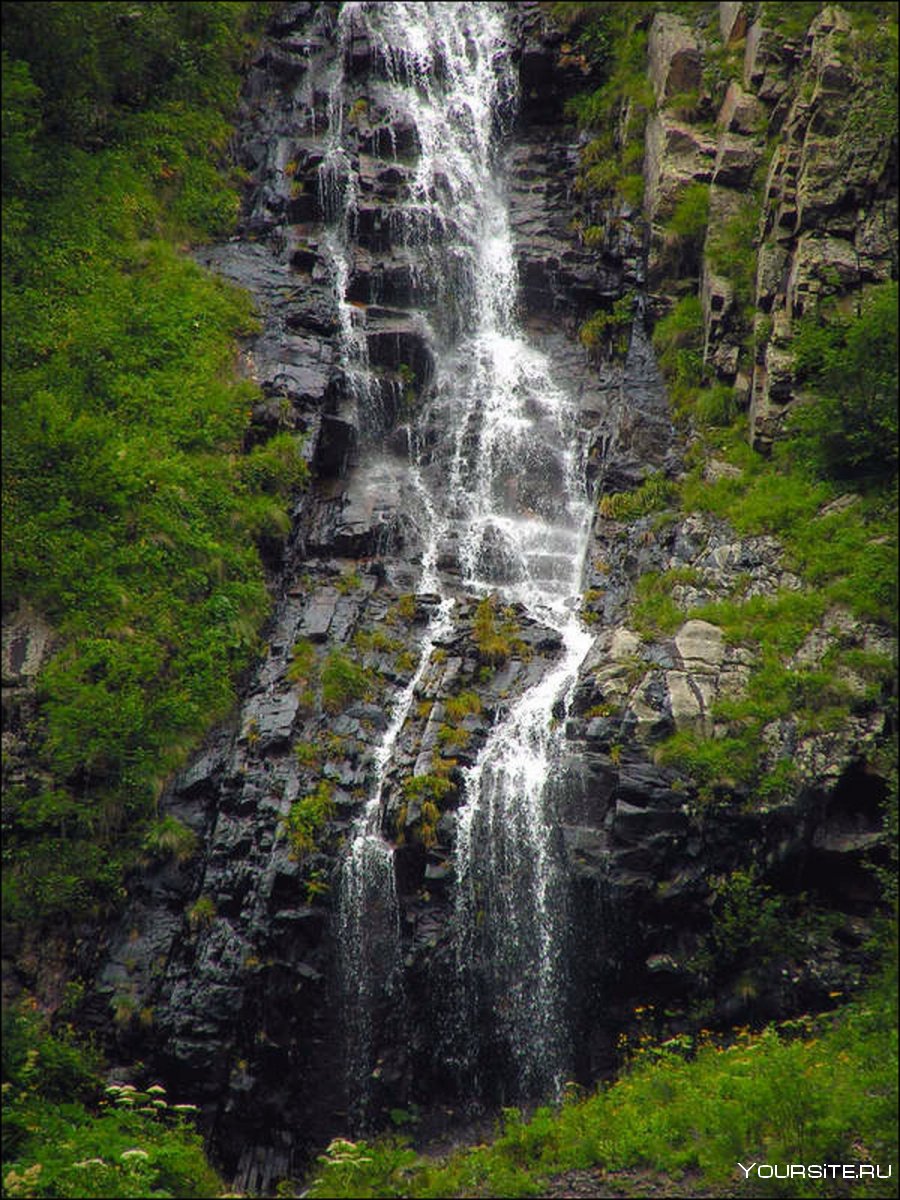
(802, 146)
(224, 971)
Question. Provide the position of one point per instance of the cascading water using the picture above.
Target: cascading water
(498, 473)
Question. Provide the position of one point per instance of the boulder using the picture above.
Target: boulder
(732, 21)
(676, 154)
(737, 157)
(741, 112)
(673, 57)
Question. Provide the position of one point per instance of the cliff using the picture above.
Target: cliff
(342, 932)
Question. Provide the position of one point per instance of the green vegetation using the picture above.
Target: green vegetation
(809, 1090)
(613, 37)
(169, 837)
(349, 581)
(427, 793)
(335, 682)
(344, 681)
(131, 515)
(849, 430)
(678, 341)
(308, 818)
(655, 612)
(845, 555)
(686, 230)
(65, 1133)
(609, 332)
(491, 639)
(463, 705)
(201, 913)
(654, 494)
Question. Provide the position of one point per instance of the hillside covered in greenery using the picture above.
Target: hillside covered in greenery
(133, 514)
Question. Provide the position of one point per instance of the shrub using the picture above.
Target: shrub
(850, 430)
(691, 215)
(609, 330)
(463, 705)
(343, 681)
(304, 663)
(308, 817)
(201, 913)
(493, 641)
(654, 494)
(169, 836)
(128, 498)
(65, 1134)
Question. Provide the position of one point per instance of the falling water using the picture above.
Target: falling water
(499, 474)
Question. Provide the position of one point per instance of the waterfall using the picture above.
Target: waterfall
(498, 474)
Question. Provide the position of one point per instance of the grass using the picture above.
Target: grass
(494, 638)
(609, 330)
(344, 681)
(810, 1090)
(308, 819)
(655, 612)
(655, 494)
(134, 519)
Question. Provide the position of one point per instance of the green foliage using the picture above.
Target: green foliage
(376, 641)
(357, 1169)
(654, 494)
(304, 663)
(344, 681)
(610, 330)
(678, 341)
(201, 913)
(749, 922)
(612, 36)
(130, 510)
(691, 214)
(97, 63)
(308, 817)
(493, 642)
(170, 837)
(715, 407)
(307, 754)
(655, 611)
(424, 788)
(849, 430)
(731, 251)
(463, 705)
(427, 793)
(65, 1135)
(348, 581)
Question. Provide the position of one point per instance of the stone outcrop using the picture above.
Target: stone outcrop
(674, 63)
(825, 220)
(829, 206)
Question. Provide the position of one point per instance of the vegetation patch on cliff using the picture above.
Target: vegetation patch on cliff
(132, 516)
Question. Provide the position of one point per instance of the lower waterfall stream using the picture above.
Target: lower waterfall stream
(502, 495)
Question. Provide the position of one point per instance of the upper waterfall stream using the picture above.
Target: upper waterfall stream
(496, 466)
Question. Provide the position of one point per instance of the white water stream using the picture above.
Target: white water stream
(499, 476)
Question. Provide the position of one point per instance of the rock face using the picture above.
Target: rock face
(829, 206)
(823, 214)
(223, 973)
